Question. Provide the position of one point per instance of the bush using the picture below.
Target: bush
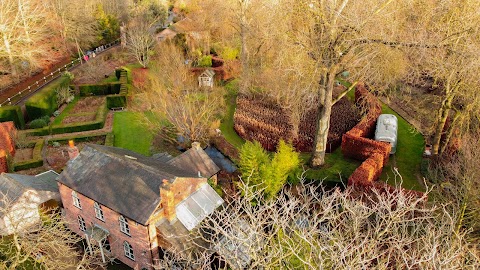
(205, 61)
(45, 101)
(38, 123)
(12, 113)
(99, 89)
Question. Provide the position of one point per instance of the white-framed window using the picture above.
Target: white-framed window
(124, 225)
(76, 200)
(81, 223)
(127, 248)
(98, 211)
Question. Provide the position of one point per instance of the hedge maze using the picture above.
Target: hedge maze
(87, 112)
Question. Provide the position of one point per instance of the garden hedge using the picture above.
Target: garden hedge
(99, 89)
(80, 138)
(115, 101)
(37, 159)
(44, 102)
(98, 123)
(12, 113)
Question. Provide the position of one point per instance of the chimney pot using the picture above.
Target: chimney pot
(72, 150)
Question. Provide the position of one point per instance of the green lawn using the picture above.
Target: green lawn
(408, 156)
(131, 133)
(337, 168)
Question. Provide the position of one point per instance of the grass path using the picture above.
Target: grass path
(408, 156)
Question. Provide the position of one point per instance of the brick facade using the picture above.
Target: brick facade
(139, 234)
(7, 145)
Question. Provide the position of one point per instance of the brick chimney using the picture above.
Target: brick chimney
(196, 146)
(168, 202)
(72, 150)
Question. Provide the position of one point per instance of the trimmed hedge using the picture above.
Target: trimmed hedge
(110, 139)
(357, 145)
(36, 160)
(99, 89)
(80, 138)
(12, 113)
(115, 101)
(45, 101)
(98, 123)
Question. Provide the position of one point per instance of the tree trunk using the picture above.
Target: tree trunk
(8, 50)
(323, 125)
(441, 120)
(450, 131)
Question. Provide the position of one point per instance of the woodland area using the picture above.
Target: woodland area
(289, 71)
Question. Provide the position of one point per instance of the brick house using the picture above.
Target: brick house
(124, 201)
(7, 144)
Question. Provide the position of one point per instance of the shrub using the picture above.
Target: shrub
(263, 172)
(205, 61)
(12, 113)
(38, 123)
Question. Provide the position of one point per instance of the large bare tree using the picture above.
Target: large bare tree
(306, 228)
(174, 95)
(47, 243)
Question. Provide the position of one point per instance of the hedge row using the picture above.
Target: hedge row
(264, 121)
(99, 89)
(44, 102)
(356, 143)
(12, 113)
(98, 123)
(36, 160)
(80, 138)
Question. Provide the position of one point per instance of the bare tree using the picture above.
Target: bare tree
(23, 31)
(174, 95)
(46, 242)
(310, 229)
(141, 41)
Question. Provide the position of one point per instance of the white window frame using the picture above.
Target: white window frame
(124, 225)
(98, 211)
(76, 200)
(81, 223)
(128, 251)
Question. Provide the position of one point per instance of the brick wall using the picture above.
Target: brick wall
(7, 133)
(139, 234)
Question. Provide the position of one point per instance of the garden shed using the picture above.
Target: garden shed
(386, 131)
(206, 78)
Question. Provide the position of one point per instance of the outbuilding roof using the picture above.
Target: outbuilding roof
(13, 186)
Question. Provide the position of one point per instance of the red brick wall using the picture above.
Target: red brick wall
(3, 161)
(139, 235)
(7, 133)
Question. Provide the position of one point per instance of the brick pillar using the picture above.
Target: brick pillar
(3, 161)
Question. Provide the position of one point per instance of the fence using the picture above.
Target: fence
(21, 95)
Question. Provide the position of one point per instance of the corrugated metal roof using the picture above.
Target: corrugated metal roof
(120, 179)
